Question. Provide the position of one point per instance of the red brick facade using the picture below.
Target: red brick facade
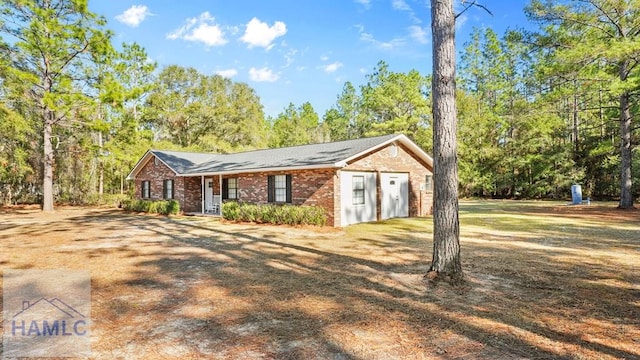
(318, 187)
(156, 172)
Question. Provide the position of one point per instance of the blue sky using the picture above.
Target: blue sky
(293, 51)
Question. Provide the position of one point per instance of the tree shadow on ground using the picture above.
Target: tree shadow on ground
(199, 288)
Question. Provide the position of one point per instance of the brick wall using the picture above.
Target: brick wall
(156, 172)
(192, 200)
(186, 190)
(308, 187)
(383, 160)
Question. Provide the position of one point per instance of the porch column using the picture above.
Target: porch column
(202, 190)
(220, 190)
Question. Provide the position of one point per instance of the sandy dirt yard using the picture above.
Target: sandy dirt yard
(543, 281)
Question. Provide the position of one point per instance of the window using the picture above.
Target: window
(279, 188)
(357, 186)
(428, 183)
(146, 189)
(167, 189)
(230, 188)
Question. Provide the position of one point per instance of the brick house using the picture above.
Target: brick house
(355, 181)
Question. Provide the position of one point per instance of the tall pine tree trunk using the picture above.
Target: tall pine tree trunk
(47, 183)
(100, 166)
(446, 228)
(626, 197)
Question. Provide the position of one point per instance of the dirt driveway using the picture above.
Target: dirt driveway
(192, 287)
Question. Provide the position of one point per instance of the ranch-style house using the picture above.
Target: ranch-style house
(354, 181)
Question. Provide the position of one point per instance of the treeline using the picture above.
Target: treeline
(538, 111)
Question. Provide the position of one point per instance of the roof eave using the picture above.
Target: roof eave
(143, 161)
(403, 139)
(271, 169)
(139, 165)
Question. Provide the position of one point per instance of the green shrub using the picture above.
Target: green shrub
(231, 211)
(162, 207)
(274, 214)
(173, 207)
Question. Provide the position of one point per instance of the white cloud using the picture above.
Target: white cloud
(134, 15)
(260, 34)
(324, 58)
(228, 73)
(365, 3)
(383, 45)
(290, 57)
(262, 75)
(201, 29)
(400, 5)
(329, 68)
(419, 34)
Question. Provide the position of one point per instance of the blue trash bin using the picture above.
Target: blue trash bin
(576, 194)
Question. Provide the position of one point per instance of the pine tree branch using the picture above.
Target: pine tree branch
(468, 6)
(603, 12)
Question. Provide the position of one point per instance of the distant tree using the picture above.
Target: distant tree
(446, 261)
(512, 139)
(203, 112)
(397, 103)
(175, 106)
(593, 40)
(346, 120)
(125, 139)
(53, 43)
(337, 124)
(15, 131)
(296, 126)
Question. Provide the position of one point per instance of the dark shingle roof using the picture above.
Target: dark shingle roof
(181, 161)
(295, 156)
(304, 156)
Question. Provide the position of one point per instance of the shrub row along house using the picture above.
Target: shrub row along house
(354, 181)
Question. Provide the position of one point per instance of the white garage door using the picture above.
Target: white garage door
(357, 197)
(395, 195)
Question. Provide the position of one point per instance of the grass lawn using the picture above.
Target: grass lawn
(544, 281)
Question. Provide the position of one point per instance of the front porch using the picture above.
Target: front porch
(211, 195)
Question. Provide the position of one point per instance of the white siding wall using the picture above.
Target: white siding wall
(350, 213)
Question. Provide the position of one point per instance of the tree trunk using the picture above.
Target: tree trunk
(446, 228)
(100, 166)
(47, 184)
(575, 126)
(626, 197)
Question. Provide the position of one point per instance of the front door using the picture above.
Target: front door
(395, 195)
(208, 195)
